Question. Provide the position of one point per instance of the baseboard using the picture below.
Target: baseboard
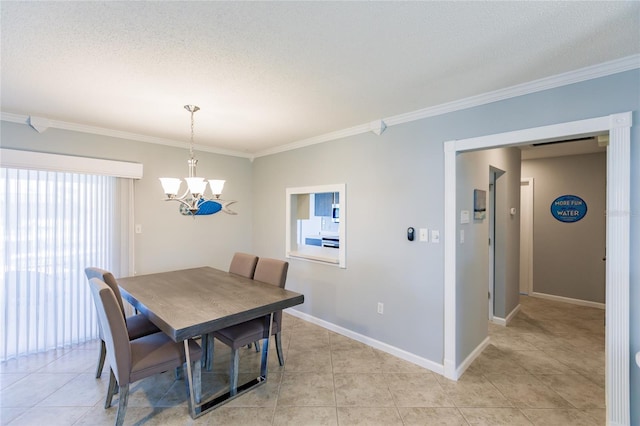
(400, 353)
(505, 321)
(472, 356)
(568, 300)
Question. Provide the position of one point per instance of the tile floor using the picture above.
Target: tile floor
(546, 368)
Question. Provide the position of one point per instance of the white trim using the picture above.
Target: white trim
(618, 227)
(292, 252)
(531, 202)
(505, 321)
(93, 130)
(583, 74)
(400, 353)
(568, 300)
(12, 158)
(472, 356)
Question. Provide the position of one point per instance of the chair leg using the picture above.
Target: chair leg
(279, 349)
(257, 345)
(101, 357)
(233, 372)
(111, 390)
(122, 404)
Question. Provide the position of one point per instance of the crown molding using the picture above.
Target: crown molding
(583, 74)
(75, 127)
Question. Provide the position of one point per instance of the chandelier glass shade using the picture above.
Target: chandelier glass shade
(194, 195)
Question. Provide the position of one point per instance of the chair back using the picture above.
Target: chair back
(108, 278)
(114, 329)
(273, 271)
(243, 264)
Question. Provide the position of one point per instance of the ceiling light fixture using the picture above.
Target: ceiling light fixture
(193, 199)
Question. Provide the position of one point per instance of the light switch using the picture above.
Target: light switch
(138, 229)
(435, 236)
(424, 235)
(464, 216)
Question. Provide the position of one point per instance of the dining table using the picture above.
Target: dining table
(189, 303)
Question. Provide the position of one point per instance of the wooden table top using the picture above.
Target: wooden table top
(192, 302)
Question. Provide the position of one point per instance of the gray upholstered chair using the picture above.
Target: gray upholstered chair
(272, 271)
(136, 359)
(243, 264)
(137, 325)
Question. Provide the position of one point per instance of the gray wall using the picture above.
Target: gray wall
(396, 180)
(472, 278)
(168, 239)
(567, 257)
(393, 181)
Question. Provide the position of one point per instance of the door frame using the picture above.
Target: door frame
(618, 227)
(529, 231)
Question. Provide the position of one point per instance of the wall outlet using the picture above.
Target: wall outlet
(380, 308)
(424, 235)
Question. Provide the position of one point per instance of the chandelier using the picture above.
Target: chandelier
(193, 200)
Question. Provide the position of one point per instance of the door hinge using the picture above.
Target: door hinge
(489, 295)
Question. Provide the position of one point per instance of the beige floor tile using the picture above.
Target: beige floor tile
(32, 363)
(538, 362)
(312, 416)
(494, 416)
(307, 389)
(560, 417)
(478, 392)
(38, 416)
(527, 391)
(393, 364)
(235, 416)
(301, 360)
(7, 379)
(578, 390)
(84, 390)
(73, 362)
(417, 390)
(420, 416)
(369, 416)
(362, 390)
(23, 393)
(355, 361)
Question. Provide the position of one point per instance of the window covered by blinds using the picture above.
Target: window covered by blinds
(53, 225)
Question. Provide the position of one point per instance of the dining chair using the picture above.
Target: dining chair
(243, 264)
(133, 360)
(137, 325)
(271, 271)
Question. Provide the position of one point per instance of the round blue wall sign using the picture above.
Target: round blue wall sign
(568, 208)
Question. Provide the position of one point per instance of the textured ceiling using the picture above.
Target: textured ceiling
(272, 73)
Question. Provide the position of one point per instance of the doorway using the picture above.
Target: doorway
(494, 174)
(618, 225)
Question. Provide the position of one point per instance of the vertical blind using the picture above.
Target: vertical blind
(53, 225)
